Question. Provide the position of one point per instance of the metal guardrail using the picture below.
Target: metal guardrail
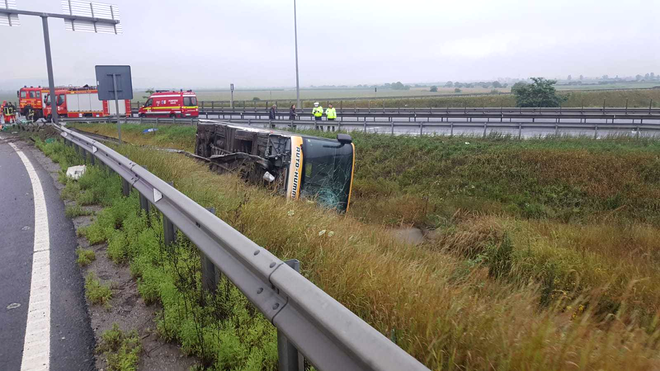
(308, 320)
(411, 127)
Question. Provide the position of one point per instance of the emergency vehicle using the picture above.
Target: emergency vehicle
(174, 104)
(31, 98)
(82, 102)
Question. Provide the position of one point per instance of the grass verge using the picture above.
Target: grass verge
(450, 307)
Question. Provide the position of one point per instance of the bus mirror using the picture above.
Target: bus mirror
(344, 139)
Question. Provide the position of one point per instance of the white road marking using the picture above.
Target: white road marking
(36, 348)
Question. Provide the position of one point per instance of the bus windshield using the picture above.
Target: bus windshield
(327, 172)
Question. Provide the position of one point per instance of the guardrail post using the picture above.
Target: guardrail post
(144, 203)
(392, 125)
(365, 124)
(519, 130)
(485, 127)
(556, 130)
(596, 132)
(125, 187)
(289, 359)
(421, 128)
(210, 275)
(451, 128)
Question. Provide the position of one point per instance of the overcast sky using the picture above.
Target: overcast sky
(211, 43)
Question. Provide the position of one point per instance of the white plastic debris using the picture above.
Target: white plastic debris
(75, 172)
(269, 177)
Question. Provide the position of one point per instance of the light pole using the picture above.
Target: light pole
(295, 31)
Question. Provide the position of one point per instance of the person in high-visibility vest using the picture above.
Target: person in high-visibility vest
(317, 111)
(331, 115)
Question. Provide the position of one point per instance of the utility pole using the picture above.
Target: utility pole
(295, 30)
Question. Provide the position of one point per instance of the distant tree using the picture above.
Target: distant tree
(256, 99)
(485, 85)
(434, 89)
(639, 77)
(505, 85)
(449, 84)
(605, 77)
(496, 84)
(457, 90)
(399, 86)
(647, 76)
(148, 92)
(494, 91)
(569, 78)
(652, 75)
(458, 84)
(581, 77)
(518, 85)
(469, 85)
(540, 93)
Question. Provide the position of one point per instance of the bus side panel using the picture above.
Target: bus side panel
(295, 169)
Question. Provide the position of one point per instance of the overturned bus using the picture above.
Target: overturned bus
(297, 165)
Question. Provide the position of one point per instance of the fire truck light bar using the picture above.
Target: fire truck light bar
(91, 10)
(10, 20)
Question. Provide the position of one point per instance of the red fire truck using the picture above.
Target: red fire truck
(31, 98)
(82, 102)
(165, 103)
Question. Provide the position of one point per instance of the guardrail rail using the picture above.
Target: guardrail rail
(310, 323)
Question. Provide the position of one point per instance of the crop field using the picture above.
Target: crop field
(538, 254)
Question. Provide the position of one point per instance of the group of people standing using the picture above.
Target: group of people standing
(317, 112)
(8, 112)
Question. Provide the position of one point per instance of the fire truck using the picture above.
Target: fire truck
(165, 103)
(31, 98)
(82, 102)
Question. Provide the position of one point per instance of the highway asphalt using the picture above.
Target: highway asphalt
(71, 337)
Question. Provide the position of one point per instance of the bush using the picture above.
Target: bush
(121, 350)
(96, 292)
(85, 256)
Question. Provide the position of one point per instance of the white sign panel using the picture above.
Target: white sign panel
(8, 19)
(92, 10)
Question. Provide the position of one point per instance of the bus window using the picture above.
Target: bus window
(327, 172)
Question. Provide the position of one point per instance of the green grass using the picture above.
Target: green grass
(85, 256)
(73, 211)
(120, 349)
(500, 288)
(97, 293)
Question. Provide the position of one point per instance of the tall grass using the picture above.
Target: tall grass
(449, 312)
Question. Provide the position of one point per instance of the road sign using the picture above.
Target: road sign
(105, 80)
(10, 20)
(99, 18)
(114, 83)
(91, 11)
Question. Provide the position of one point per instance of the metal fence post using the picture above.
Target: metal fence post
(210, 275)
(421, 128)
(144, 203)
(519, 130)
(485, 127)
(289, 359)
(451, 128)
(125, 187)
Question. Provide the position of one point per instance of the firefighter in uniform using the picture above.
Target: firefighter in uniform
(317, 112)
(6, 112)
(331, 115)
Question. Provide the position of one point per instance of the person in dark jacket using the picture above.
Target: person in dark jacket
(272, 112)
(292, 112)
